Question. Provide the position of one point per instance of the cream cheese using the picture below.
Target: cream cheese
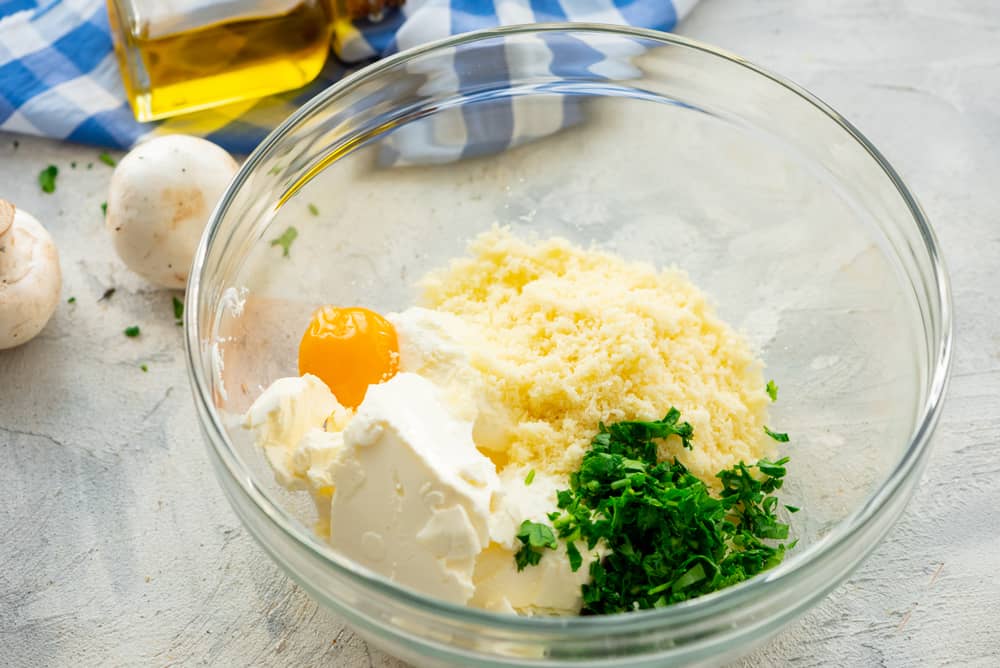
(283, 414)
(289, 418)
(412, 495)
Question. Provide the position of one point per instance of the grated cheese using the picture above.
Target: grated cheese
(567, 338)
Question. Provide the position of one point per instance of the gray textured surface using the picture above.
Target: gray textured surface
(117, 547)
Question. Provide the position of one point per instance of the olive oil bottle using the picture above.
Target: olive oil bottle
(186, 55)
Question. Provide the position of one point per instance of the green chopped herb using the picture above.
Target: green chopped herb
(132, 331)
(108, 294)
(47, 179)
(107, 159)
(669, 538)
(776, 435)
(648, 431)
(90, 165)
(792, 509)
(71, 300)
(575, 558)
(104, 208)
(178, 311)
(313, 210)
(534, 537)
(73, 164)
(773, 469)
(530, 478)
(144, 368)
(772, 390)
(285, 240)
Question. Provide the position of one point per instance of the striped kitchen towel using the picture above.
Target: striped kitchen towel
(59, 77)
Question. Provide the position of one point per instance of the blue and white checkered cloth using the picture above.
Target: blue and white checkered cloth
(59, 77)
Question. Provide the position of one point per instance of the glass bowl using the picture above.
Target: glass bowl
(646, 144)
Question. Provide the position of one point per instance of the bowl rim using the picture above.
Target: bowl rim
(676, 614)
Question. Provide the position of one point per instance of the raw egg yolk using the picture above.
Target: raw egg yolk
(349, 349)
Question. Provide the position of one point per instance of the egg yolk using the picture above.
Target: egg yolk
(349, 349)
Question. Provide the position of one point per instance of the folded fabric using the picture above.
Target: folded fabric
(59, 77)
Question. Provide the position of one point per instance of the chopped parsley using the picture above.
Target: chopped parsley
(71, 300)
(669, 537)
(47, 179)
(132, 331)
(313, 209)
(144, 368)
(534, 537)
(772, 390)
(575, 558)
(285, 240)
(776, 435)
(104, 208)
(530, 478)
(647, 431)
(178, 311)
(106, 158)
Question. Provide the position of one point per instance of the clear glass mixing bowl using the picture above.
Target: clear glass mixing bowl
(651, 146)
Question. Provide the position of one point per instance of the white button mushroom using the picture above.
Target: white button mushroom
(30, 279)
(161, 196)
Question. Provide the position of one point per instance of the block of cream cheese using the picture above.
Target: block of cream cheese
(283, 414)
(289, 419)
(412, 495)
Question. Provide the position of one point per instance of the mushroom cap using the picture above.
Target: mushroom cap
(30, 278)
(161, 196)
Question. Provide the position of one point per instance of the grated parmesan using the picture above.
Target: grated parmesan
(567, 338)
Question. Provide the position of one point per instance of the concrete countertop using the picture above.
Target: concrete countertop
(118, 547)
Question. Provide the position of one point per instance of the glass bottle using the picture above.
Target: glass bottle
(178, 56)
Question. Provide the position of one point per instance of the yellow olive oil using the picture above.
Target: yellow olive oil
(221, 63)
